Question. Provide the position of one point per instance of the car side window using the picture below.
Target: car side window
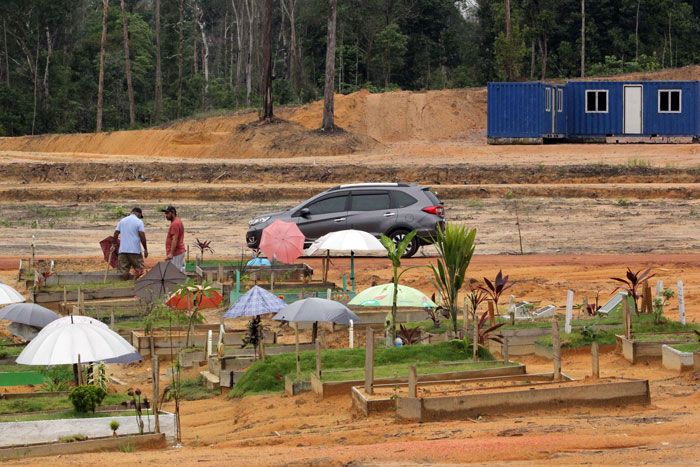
(402, 200)
(370, 201)
(328, 205)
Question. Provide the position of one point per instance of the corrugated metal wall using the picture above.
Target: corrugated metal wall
(671, 124)
(516, 110)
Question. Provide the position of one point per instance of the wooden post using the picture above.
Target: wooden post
(556, 347)
(626, 316)
(466, 317)
(594, 361)
(412, 381)
(584, 306)
(155, 368)
(475, 342)
(221, 277)
(80, 372)
(318, 360)
(505, 350)
(65, 295)
(19, 275)
(262, 349)
(111, 319)
(369, 361)
(296, 344)
(492, 318)
(188, 254)
(82, 303)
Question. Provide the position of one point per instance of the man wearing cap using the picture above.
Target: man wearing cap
(133, 236)
(175, 240)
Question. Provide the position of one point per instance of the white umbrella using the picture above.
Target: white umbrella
(9, 295)
(347, 240)
(61, 345)
(75, 320)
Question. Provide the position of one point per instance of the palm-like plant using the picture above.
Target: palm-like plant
(631, 282)
(203, 245)
(496, 288)
(475, 298)
(395, 252)
(455, 248)
(194, 294)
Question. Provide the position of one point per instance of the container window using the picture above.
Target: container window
(596, 101)
(670, 101)
(548, 100)
(560, 100)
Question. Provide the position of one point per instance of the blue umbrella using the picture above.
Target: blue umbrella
(259, 262)
(256, 301)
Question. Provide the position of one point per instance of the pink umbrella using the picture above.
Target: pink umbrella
(282, 241)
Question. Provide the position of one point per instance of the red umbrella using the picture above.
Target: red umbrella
(282, 241)
(110, 255)
(195, 298)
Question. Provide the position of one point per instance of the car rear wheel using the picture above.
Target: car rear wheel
(398, 235)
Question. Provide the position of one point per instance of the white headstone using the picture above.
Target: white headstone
(659, 288)
(209, 339)
(569, 310)
(681, 303)
(351, 337)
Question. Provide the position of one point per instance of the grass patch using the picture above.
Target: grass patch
(87, 286)
(7, 350)
(392, 371)
(689, 347)
(191, 265)
(194, 389)
(70, 414)
(663, 337)
(39, 404)
(20, 378)
(268, 376)
(640, 324)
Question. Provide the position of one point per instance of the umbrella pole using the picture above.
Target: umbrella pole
(111, 252)
(352, 270)
(296, 343)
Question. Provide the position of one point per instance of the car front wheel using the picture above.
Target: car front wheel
(398, 235)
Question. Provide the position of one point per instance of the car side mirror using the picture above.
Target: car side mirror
(305, 212)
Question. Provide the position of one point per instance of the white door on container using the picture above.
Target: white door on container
(633, 110)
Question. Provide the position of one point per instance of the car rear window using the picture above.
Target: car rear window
(328, 205)
(433, 199)
(402, 200)
(370, 202)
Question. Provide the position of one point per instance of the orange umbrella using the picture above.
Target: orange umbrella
(198, 299)
(282, 241)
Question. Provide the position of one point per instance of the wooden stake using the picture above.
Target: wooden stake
(109, 261)
(594, 361)
(65, 294)
(412, 382)
(492, 318)
(505, 350)
(296, 343)
(369, 361)
(626, 316)
(556, 347)
(466, 317)
(221, 277)
(155, 368)
(80, 372)
(318, 360)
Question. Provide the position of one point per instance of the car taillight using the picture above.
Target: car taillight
(437, 210)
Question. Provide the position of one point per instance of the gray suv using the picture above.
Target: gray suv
(393, 209)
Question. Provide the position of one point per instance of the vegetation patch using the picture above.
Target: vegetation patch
(68, 414)
(423, 368)
(689, 347)
(44, 403)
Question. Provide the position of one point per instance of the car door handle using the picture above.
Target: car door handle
(340, 219)
(389, 214)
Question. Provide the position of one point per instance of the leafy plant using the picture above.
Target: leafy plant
(475, 298)
(86, 398)
(139, 405)
(409, 336)
(589, 332)
(496, 288)
(631, 282)
(98, 377)
(114, 426)
(119, 211)
(255, 333)
(622, 201)
(203, 245)
(434, 314)
(660, 302)
(455, 248)
(194, 293)
(395, 252)
(40, 279)
(485, 333)
(128, 447)
(57, 378)
(72, 438)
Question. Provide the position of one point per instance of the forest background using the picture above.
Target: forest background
(193, 58)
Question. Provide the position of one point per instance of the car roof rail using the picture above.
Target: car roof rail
(366, 185)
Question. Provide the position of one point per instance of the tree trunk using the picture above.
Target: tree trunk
(159, 77)
(507, 19)
(36, 78)
(670, 45)
(328, 113)
(636, 34)
(543, 50)
(294, 67)
(249, 5)
(127, 66)
(532, 60)
(194, 53)
(583, 38)
(239, 43)
(7, 56)
(179, 59)
(100, 86)
(267, 76)
(49, 50)
(205, 51)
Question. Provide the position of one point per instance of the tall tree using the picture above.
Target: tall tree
(250, 12)
(199, 17)
(103, 45)
(49, 51)
(289, 7)
(239, 49)
(328, 113)
(507, 5)
(127, 66)
(267, 51)
(583, 38)
(179, 57)
(7, 56)
(159, 80)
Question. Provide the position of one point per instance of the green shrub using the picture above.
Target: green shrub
(87, 398)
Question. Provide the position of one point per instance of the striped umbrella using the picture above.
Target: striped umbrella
(256, 301)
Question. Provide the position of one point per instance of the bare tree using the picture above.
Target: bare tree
(159, 79)
(179, 59)
(199, 16)
(583, 38)
(289, 7)
(239, 49)
(127, 65)
(328, 112)
(249, 6)
(507, 19)
(267, 76)
(7, 56)
(636, 34)
(36, 78)
(100, 87)
(49, 50)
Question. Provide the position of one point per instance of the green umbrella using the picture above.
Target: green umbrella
(383, 295)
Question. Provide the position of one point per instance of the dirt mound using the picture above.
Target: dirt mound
(283, 138)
